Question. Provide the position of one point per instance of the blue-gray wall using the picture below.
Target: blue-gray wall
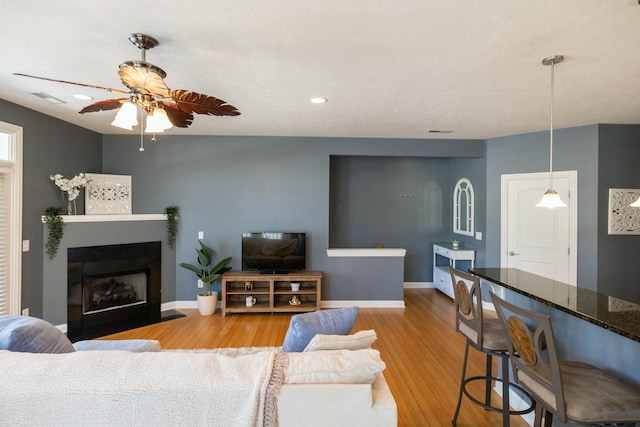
(574, 149)
(228, 185)
(50, 146)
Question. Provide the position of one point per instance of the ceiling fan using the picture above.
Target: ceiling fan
(147, 90)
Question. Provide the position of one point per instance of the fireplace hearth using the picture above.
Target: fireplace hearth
(112, 288)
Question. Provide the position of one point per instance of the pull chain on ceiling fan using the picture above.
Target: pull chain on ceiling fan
(147, 91)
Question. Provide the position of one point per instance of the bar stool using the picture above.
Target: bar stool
(570, 390)
(484, 333)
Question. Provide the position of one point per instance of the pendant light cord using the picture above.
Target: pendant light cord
(551, 129)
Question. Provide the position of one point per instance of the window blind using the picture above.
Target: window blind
(4, 241)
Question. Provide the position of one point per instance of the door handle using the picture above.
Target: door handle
(511, 253)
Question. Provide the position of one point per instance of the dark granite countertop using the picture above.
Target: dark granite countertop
(613, 314)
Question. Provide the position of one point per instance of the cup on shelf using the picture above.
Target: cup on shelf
(295, 286)
(251, 301)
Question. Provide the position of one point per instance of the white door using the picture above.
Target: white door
(539, 240)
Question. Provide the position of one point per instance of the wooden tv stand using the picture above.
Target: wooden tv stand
(272, 292)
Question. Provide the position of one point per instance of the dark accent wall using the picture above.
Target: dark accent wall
(228, 185)
(50, 146)
(618, 156)
(402, 202)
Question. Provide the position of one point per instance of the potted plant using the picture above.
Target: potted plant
(208, 299)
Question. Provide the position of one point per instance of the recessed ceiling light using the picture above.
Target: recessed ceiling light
(82, 97)
(49, 98)
(318, 100)
(439, 131)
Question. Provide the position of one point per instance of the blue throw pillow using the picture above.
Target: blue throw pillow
(305, 326)
(32, 335)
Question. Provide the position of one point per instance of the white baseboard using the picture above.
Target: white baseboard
(181, 304)
(364, 304)
(517, 403)
(323, 304)
(418, 285)
(165, 306)
(172, 305)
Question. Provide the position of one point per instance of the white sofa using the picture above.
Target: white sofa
(337, 405)
(314, 379)
(223, 387)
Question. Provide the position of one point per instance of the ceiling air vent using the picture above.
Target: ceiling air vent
(49, 98)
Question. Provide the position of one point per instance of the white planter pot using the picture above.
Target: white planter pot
(207, 303)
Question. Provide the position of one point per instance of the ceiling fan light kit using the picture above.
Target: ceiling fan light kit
(551, 199)
(126, 117)
(157, 121)
(165, 107)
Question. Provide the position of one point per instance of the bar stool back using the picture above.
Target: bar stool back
(573, 391)
(483, 332)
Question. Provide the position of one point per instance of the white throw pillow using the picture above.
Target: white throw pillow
(358, 341)
(334, 367)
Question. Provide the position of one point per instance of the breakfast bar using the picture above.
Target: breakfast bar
(589, 326)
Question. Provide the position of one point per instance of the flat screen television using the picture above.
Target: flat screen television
(274, 253)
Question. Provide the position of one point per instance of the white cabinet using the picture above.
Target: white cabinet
(444, 255)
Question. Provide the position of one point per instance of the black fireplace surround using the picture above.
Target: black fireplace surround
(112, 288)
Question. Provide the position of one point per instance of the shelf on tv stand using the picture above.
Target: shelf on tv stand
(272, 292)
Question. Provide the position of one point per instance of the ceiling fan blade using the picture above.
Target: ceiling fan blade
(177, 117)
(109, 104)
(192, 102)
(73, 83)
(144, 80)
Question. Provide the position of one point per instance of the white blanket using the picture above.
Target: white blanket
(118, 388)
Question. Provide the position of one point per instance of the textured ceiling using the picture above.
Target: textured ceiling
(389, 68)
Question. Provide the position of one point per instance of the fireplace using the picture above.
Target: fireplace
(112, 288)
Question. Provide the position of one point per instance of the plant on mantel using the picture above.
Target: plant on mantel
(173, 214)
(56, 230)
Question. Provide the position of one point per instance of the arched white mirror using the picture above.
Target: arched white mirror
(463, 218)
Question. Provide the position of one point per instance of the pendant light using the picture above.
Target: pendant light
(551, 199)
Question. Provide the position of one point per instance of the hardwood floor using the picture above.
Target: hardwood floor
(419, 344)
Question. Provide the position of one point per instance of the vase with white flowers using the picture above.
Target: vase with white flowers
(70, 189)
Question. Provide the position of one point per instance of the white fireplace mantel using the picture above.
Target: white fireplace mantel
(111, 218)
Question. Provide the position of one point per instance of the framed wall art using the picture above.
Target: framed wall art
(463, 205)
(623, 219)
(107, 194)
